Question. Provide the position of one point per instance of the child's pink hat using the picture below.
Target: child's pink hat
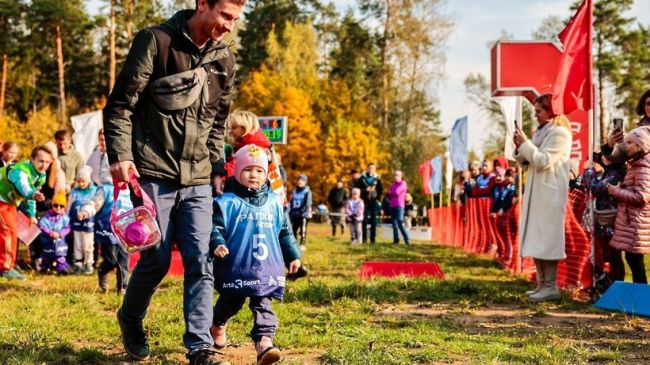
(640, 136)
(250, 155)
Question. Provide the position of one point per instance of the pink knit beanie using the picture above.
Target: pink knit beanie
(641, 137)
(250, 155)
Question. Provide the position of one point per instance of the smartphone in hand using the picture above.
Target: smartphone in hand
(617, 124)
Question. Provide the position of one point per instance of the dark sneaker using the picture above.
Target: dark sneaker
(13, 274)
(134, 340)
(103, 282)
(204, 357)
(301, 273)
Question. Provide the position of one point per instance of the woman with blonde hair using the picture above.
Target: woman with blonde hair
(541, 229)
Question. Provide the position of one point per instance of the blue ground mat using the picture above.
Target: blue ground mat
(628, 298)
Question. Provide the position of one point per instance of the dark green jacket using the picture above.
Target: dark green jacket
(180, 145)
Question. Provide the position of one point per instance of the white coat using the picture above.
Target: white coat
(541, 227)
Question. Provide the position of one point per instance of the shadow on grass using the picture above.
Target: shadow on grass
(26, 353)
(407, 290)
(64, 354)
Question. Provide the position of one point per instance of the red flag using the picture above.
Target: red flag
(426, 171)
(573, 86)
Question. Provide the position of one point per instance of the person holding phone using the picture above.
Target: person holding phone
(546, 157)
(613, 151)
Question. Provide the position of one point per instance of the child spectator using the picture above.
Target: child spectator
(410, 212)
(633, 198)
(503, 193)
(55, 225)
(82, 230)
(113, 254)
(244, 129)
(354, 216)
(249, 230)
(19, 182)
(484, 182)
(300, 209)
(595, 179)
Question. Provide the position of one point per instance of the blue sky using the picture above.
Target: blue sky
(476, 23)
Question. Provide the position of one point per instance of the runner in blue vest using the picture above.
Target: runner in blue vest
(249, 227)
(300, 209)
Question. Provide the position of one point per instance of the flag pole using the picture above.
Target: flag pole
(520, 185)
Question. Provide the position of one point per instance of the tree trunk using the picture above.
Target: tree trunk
(129, 19)
(59, 60)
(384, 66)
(111, 49)
(602, 105)
(3, 85)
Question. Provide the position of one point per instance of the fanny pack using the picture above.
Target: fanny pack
(179, 91)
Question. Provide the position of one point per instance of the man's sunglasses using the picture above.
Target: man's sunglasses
(58, 206)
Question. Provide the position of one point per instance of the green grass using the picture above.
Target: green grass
(477, 315)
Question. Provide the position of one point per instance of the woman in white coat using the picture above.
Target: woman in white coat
(541, 228)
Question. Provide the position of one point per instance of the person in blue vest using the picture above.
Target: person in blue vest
(249, 228)
(113, 254)
(300, 209)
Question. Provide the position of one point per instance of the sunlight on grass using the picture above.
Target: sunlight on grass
(476, 315)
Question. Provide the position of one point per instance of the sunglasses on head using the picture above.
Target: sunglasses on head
(58, 206)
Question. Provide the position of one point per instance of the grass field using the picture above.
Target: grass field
(477, 315)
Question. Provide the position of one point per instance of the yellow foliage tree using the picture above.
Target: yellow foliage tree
(303, 152)
(38, 129)
(351, 145)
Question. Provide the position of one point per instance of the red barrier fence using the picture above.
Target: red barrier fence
(470, 226)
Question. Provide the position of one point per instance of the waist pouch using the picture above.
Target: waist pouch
(179, 91)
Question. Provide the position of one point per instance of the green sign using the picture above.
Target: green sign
(275, 128)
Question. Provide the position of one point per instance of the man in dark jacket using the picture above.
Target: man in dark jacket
(337, 198)
(164, 122)
(371, 190)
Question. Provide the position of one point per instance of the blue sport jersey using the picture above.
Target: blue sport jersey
(254, 266)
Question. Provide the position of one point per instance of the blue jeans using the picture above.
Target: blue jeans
(184, 214)
(397, 215)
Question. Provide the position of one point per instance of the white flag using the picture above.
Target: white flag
(458, 151)
(511, 109)
(86, 129)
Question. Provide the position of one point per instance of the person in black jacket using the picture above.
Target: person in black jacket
(164, 122)
(337, 198)
(371, 190)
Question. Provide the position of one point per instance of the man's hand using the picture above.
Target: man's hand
(294, 266)
(34, 220)
(38, 196)
(221, 251)
(55, 235)
(615, 137)
(122, 170)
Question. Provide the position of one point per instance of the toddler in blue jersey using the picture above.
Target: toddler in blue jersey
(249, 237)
